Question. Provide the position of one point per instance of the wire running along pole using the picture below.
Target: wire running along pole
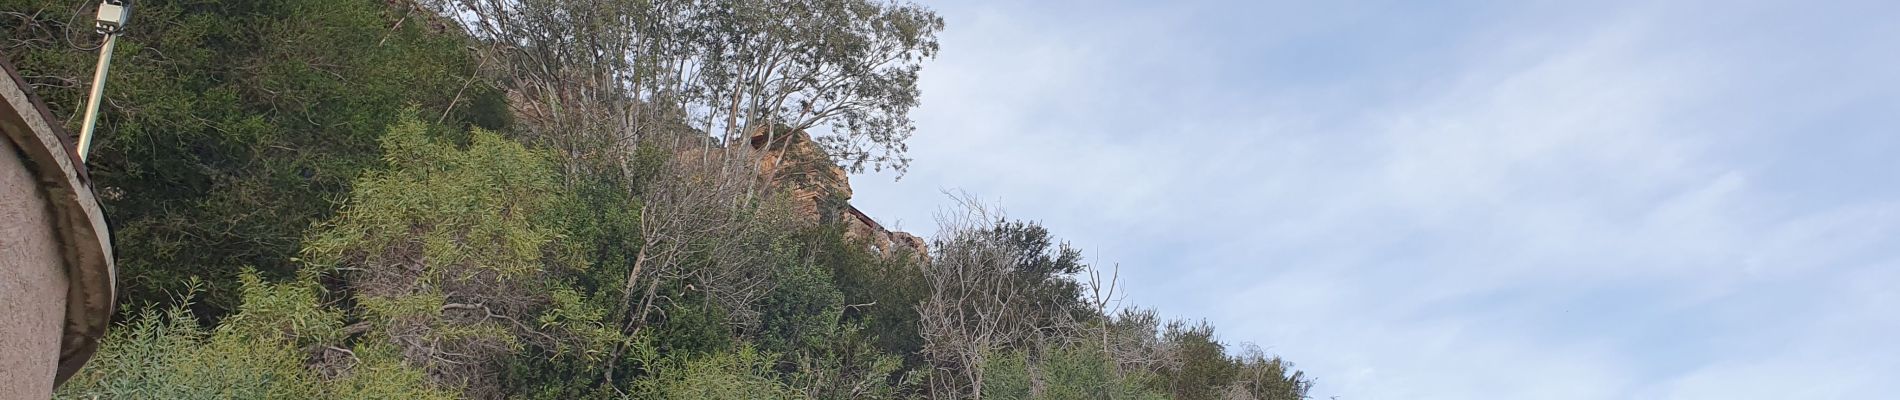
(111, 22)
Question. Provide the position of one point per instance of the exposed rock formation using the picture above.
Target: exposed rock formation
(821, 190)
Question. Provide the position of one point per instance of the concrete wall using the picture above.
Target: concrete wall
(32, 283)
(56, 276)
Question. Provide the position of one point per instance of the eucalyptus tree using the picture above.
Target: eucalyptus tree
(847, 66)
(845, 69)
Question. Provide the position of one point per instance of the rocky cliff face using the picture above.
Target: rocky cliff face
(821, 190)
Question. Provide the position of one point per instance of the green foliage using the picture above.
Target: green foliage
(261, 352)
(885, 291)
(735, 66)
(481, 209)
(1203, 365)
(292, 310)
(691, 329)
(802, 310)
(1007, 376)
(1084, 372)
(230, 126)
(1044, 268)
(457, 256)
(741, 374)
(830, 355)
(533, 375)
(1263, 377)
(1074, 372)
(846, 366)
(850, 65)
(600, 219)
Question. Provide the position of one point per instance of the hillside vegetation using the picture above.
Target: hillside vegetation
(564, 199)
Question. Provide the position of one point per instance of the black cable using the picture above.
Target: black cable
(66, 31)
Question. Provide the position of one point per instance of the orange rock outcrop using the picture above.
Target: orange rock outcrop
(821, 190)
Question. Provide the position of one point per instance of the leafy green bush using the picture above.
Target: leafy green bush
(1202, 366)
(448, 208)
(741, 374)
(883, 291)
(848, 366)
(262, 352)
(801, 311)
(456, 255)
(230, 126)
(1075, 372)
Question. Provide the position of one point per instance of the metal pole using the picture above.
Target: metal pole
(98, 91)
(111, 22)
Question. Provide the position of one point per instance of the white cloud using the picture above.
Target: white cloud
(1554, 204)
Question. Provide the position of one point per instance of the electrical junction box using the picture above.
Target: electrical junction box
(112, 16)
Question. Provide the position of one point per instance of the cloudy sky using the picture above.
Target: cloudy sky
(1503, 200)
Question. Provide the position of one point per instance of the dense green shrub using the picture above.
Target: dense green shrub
(264, 351)
(802, 310)
(231, 126)
(1074, 372)
(1202, 367)
(455, 255)
(883, 291)
(740, 374)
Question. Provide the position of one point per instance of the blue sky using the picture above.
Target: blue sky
(1515, 200)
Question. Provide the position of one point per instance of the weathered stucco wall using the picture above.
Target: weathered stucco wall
(56, 277)
(32, 283)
